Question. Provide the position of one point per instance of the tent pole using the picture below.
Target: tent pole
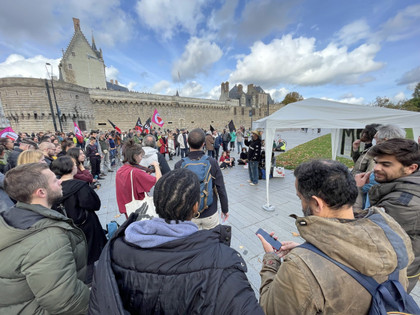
(269, 136)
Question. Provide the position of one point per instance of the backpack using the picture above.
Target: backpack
(388, 296)
(202, 168)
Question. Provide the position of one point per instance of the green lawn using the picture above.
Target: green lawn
(319, 148)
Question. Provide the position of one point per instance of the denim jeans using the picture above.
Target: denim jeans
(184, 153)
(210, 153)
(239, 145)
(253, 171)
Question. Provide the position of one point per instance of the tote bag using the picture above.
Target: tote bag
(134, 205)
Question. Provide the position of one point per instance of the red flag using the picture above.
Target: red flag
(78, 132)
(8, 133)
(139, 126)
(115, 127)
(146, 127)
(156, 119)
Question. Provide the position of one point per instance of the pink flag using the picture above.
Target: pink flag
(79, 135)
(8, 133)
(156, 119)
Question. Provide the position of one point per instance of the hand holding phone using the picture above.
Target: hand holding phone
(273, 242)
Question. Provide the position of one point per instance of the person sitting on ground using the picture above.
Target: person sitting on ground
(43, 253)
(167, 266)
(226, 160)
(370, 242)
(243, 157)
(31, 156)
(80, 203)
(134, 177)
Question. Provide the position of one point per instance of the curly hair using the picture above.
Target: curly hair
(175, 195)
(329, 180)
(406, 151)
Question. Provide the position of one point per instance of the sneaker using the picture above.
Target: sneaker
(252, 184)
(249, 181)
(100, 178)
(102, 174)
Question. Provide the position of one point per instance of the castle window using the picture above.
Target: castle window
(70, 66)
(77, 96)
(169, 122)
(73, 53)
(234, 111)
(16, 92)
(192, 122)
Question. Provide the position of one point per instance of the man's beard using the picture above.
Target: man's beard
(53, 196)
(307, 212)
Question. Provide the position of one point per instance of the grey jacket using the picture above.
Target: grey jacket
(401, 200)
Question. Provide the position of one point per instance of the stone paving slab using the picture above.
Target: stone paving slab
(246, 215)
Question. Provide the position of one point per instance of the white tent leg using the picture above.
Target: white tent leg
(335, 134)
(269, 137)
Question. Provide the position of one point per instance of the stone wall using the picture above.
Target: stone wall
(26, 106)
(22, 98)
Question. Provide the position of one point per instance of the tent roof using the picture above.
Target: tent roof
(319, 113)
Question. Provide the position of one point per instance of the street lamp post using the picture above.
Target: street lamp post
(55, 98)
(51, 106)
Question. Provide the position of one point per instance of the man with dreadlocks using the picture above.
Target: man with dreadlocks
(166, 265)
(208, 217)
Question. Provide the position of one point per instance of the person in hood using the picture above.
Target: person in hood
(132, 177)
(370, 242)
(80, 202)
(167, 266)
(152, 154)
(43, 253)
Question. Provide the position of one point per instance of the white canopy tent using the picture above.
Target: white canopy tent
(319, 113)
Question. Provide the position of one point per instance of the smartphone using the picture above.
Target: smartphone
(276, 244)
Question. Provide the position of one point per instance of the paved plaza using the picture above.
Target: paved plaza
(246, 215)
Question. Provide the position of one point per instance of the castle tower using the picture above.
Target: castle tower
(224, 91)
(79, 57)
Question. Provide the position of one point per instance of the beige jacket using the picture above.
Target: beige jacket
(306, 283)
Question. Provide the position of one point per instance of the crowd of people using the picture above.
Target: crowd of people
(179, 260)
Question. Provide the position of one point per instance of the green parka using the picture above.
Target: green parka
(306, 283)
(42, 267)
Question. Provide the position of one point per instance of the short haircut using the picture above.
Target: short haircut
(196, 138)
(387, 132)
(74, 153)
(23, 180)
(66, 143)
(62, 166)
(5, 140)
(149, 141)
(130, 150)
(44, 145)
(406, 151)
(329, 180)
(29, 156)
(175, 195)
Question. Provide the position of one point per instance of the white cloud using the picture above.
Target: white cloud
(278, 94)
(349, 100)
(296, 61)
(131, 86)
(111, 73)
(163, 87)
(412, 76)
(399, 97)
(198, 56)
(169, 17)
(353, 32)
(50, 21)
(403, 25)
(214, 93)
(35, 67)
(192, 89)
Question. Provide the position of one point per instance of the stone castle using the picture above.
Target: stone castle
(83, 95)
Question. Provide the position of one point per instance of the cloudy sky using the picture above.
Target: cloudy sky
(351, 51)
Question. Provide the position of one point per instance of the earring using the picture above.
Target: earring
(197, 215)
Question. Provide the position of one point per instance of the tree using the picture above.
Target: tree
(416, 93)
(292, 97)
